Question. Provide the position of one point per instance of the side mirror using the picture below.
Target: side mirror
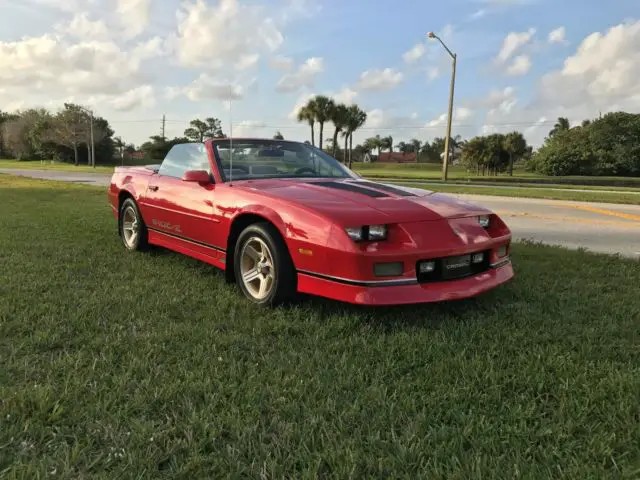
(196, 176)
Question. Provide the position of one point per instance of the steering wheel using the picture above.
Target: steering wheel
(303, 170)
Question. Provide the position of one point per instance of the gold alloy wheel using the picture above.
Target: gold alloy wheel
(130, 226)
(257, 268)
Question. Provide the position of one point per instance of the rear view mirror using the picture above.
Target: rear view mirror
(196, 176)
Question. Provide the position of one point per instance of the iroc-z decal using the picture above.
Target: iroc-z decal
(166, 225)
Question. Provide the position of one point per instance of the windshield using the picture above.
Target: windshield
(276, 159)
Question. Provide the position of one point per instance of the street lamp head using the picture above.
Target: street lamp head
(431, 35)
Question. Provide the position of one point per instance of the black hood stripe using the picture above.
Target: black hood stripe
(389, 188)
(351, 187)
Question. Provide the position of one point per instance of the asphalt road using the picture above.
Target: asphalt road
(599, 227)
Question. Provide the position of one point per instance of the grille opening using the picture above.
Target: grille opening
(453, 268)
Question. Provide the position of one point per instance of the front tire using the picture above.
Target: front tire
(263, 267)
(132, 229)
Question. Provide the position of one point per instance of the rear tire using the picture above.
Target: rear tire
(263, 267)
(131, 226)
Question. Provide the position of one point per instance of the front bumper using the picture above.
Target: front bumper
(404, 294)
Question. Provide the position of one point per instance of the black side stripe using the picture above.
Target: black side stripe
(351, 187)
(186, 239)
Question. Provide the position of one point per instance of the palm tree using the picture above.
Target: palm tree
(355, 119)
(386, 143)
(321, 107)
(516, 145)
(305, 114)
(561, 125)
(339, 118)
(119, 144)
(404, 147)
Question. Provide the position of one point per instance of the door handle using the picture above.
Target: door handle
(153, 188)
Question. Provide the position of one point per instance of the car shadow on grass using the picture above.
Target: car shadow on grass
(385, 318)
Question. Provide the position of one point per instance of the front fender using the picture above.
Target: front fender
(305, 233)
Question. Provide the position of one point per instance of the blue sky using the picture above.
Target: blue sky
(135, 60)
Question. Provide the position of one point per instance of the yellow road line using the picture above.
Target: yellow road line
(604, 211)
(564, 218)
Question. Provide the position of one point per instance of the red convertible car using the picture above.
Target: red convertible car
(281, 217)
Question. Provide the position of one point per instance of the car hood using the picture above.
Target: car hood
(363, 201)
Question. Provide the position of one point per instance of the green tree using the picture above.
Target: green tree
(69, 128)
(157, 147)
(278, 136)
(516, 146)
(416, 145)
(200, 130)
(321, 106)
(356, 118)
(476, 154)
(306, 114)
(561, 125)
(568, 152)
(404, 147)
(386, 143)
(339, 116)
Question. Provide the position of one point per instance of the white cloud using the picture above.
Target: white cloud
(281, 63)
(415, 54)
(346, 96)
(134, 15)
(139, 97)
(208, 86)
(513, 42)
(249, 128)
(600, 76)
(83, 28)
(304, 77)
(558, 36)
(212, 36)
(247, 60)
(521, 66)
(300, 102)
(50, 64)
(379, 80)
(433, 72)
(478, 14)
(604, 70)
(460, 113)
(63, 5)
(153, 47)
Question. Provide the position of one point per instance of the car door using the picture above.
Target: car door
(183, 210)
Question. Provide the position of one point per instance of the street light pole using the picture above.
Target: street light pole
(454, 58)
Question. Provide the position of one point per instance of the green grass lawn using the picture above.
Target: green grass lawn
(130, 365)
(37, 165)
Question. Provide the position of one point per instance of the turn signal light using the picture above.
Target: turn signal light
(427, 267)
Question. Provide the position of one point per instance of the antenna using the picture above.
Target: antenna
(230, 141)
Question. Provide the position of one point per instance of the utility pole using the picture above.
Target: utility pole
(164, 121)
(454, 58)
(93, 144)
